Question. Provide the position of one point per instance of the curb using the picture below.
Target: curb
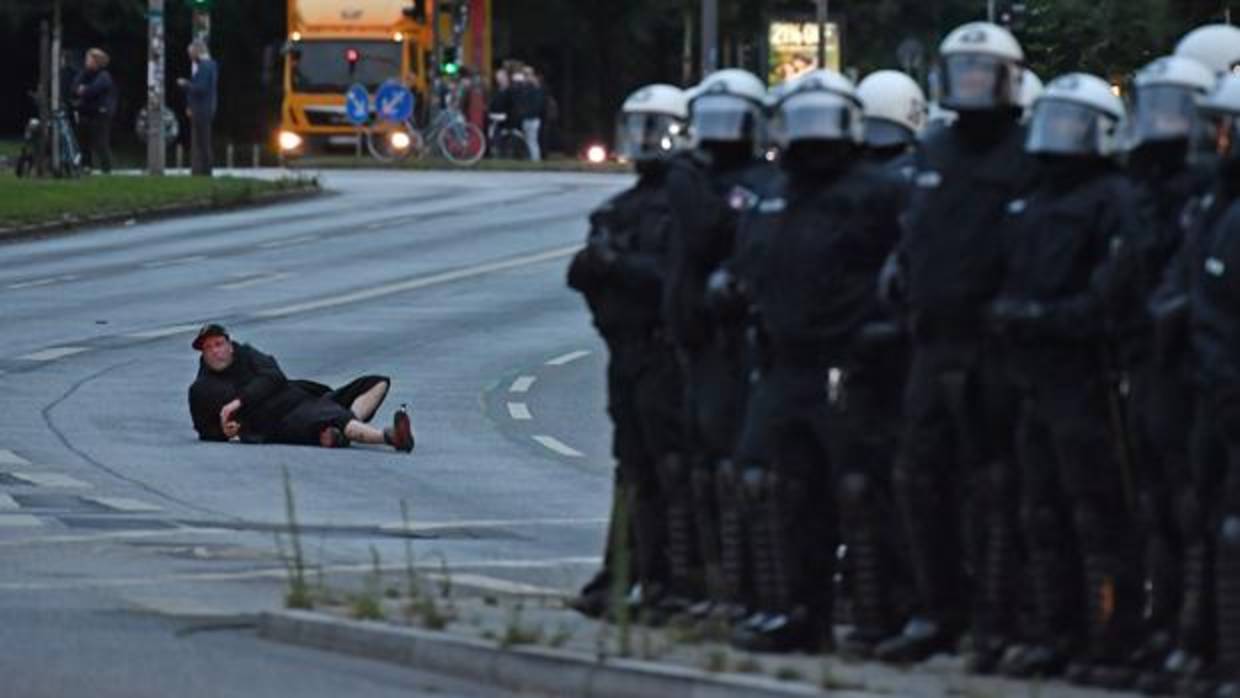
(520, 669)
(194, 207)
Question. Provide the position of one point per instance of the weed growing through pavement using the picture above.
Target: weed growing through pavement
(298, 595)
(789, 673)
(618, 605)
(517, 632)
(368, 605)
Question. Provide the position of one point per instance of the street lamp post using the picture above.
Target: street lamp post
(823, 10)
(710, 36)
(155, 89)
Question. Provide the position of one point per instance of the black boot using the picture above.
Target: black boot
(733, 558)
(868, 576)
(706, 524)
(1227, 589)
(684, 581)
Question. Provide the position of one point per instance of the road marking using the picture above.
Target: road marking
(289, 242)
(7, 457)
(19, 521)
(518, 410)
(50, 480)
(123, 504)
(558, 446)
(376, 226)
(522, 384)
(41, 282)
(485, 583)
(52, 354)
(7, 503)
(255, 281)
(413, 284)
(163, 332)
(160, 263)
(568, 358)
(429, 526)
(116, 535)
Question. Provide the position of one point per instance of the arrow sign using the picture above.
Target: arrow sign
(357, 104)
(394, 102)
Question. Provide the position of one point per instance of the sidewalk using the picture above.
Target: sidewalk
(529, 642)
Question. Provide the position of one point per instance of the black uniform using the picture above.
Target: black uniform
(954, 460)
(621, 273)
(1069, 258)
(274, 409)
(808, 261)
(707, 194)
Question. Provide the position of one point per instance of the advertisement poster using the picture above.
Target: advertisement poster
(794, 49)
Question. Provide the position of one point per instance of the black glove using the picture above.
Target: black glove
(1015, 317)
(892, 286)
(724, 297)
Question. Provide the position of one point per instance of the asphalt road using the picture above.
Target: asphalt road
(118, 528)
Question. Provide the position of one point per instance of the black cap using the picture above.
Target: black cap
(210, 329)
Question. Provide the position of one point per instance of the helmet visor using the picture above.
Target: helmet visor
(1221, 137)
(1163, 113)
(975, 81)
(1064, 128)
(725, 118)
(643, 136)
(816, 116)
(881, 133)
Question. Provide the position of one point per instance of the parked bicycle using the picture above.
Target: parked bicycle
(450, 134)
(37, 148)
(506, 142)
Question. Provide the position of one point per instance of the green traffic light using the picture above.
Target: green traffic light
(451, 68)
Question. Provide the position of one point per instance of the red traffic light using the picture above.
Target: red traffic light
(352, 55)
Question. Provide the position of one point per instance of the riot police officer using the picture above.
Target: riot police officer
(894, 111)
(621, 271)
(1159, 403)
(1067, 259)
(954, 457)
(808, 253)
(1216, 46)
(708, 187)
(1212, 257)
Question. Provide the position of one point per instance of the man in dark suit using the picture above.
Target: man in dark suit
(200, 93)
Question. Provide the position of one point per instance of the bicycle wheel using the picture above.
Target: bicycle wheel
(510, 145)
(462, 143)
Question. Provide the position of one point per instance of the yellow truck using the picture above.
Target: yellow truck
(333, 44)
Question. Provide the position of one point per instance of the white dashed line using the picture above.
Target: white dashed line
(163, 332)
(41, 282)
(50, 480)
(255, 281)
(129, 506)
(518, 410)
(558, 446)
(19, 521)
(7, 457)
(568, 358)
(430, 526)
(275, 244)
(413, 284)
(7, 503)
(160, 263)
(522, 384)
(52, 354)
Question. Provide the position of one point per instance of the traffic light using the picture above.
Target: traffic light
(352, 56)
(451, 63)
(201, 5)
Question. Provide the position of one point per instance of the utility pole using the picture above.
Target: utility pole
(990, 10)
(42, 165)
(710, 36)
(55, 80)
(436, 60)
(155, 89)
(822, 33)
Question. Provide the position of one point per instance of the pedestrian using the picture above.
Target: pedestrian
(95, 93)
(529, 103)
(240, 393)
(200, 91)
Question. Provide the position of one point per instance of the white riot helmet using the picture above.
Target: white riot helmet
(1164, 100)
(1216, 46)
(894, 108)
(820, 105)
(653, 123)
(1221, 110)
(1078, 114)
(1031, 88)
(980, 68)
(728, 107)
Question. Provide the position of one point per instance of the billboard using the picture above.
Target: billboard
(794, 49)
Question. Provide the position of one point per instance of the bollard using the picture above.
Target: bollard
(229, 154)
(254, 153)
(180, 156)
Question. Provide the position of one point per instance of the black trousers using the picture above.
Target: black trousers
(324, 407)
(200, 146)
(97, 142)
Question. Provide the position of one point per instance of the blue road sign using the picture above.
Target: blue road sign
(357, 104)
(394, 102)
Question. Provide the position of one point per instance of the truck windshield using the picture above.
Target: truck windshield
(324, 66)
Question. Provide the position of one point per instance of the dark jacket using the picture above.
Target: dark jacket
(99, 97)
(809, 253)
(950, 249)
(621, 271)
(706, 203)
(266, 395)
(1070, 246)
(1211, 264)
(529, 100)
(200, 92)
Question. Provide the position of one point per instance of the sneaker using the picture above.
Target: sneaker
(400, 435)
